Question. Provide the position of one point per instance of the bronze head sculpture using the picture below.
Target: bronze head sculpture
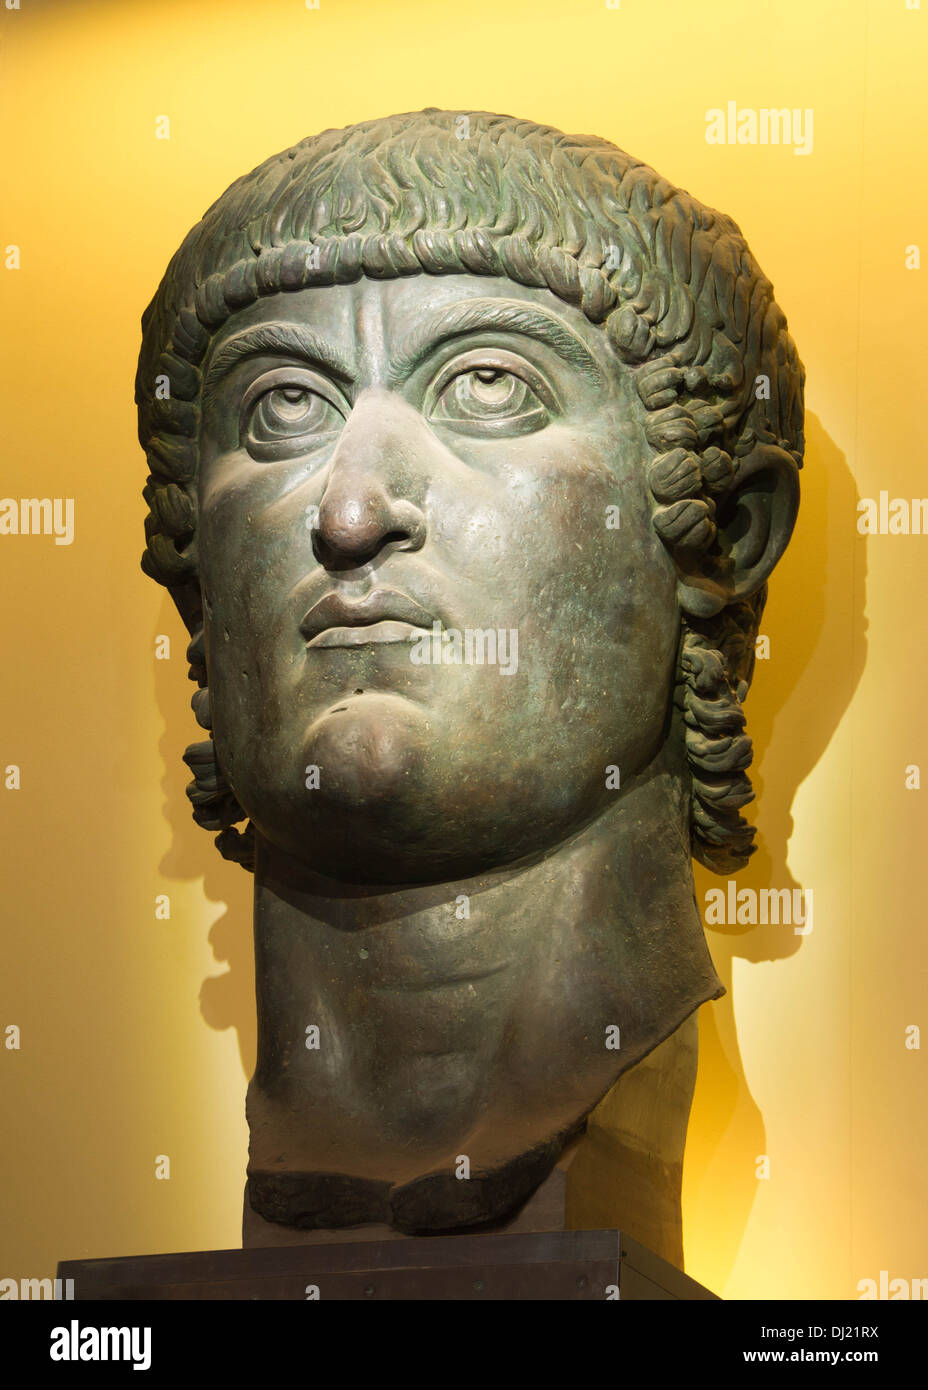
(472, 446)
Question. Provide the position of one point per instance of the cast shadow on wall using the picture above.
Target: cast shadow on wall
(816, 627)
(227, 1000)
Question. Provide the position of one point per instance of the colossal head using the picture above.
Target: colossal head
(472, 446)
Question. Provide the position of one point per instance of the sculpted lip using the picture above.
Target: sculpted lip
(420, 986)
(394, 614)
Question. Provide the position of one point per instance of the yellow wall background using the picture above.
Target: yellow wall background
(137, 1033)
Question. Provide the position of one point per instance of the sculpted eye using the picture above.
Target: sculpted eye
(285, 413)
(488, 398)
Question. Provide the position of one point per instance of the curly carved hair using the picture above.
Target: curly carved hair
(672, 283)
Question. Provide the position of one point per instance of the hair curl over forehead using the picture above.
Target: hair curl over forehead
(671, 282)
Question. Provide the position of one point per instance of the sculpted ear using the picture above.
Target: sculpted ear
(754, 519)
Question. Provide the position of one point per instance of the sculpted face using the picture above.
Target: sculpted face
(466, 496)
(381, 457)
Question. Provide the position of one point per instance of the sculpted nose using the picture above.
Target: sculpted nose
(366, 505)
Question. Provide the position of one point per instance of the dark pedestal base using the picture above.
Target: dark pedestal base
(573, 1265)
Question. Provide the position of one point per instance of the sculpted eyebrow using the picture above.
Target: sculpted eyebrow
(287, 339)
(494, 315)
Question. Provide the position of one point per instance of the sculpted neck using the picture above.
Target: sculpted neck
(482, 1017)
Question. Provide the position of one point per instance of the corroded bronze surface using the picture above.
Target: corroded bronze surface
(472, 446)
